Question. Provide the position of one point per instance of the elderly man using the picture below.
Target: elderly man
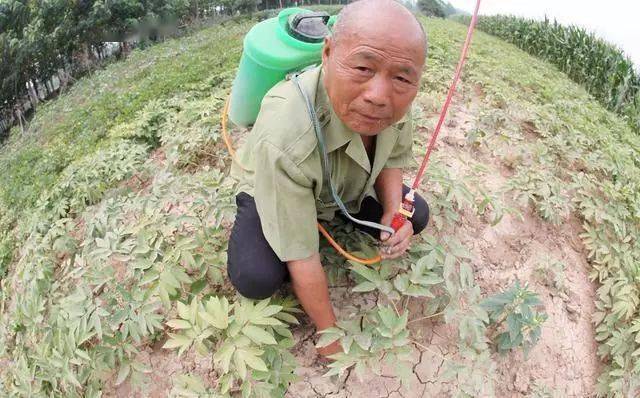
(362, 92)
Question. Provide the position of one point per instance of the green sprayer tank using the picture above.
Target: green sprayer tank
(272, 49)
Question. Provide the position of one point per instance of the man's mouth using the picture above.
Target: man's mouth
(371, 118)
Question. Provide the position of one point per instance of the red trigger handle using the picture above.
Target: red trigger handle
(404, 212)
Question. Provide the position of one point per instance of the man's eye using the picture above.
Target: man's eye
(363, 69)
(403, 80)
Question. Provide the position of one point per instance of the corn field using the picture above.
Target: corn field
(602, 68)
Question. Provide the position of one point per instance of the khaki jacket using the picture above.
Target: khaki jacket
(283, 171)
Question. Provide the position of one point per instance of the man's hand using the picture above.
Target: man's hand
(310, 284)
(396, 245)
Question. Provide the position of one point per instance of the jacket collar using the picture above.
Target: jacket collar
(337, 134)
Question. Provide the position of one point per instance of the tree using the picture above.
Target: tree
(432, 8)
(437, 8)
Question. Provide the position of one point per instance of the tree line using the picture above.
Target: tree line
(438, 8)
(45, 44)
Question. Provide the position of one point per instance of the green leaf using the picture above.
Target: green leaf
(258, 335)
(217, 312)
(513, 326)
(268, 321)
(179, 324)
(364, 287)
(401, 282)
(388, 316)
(429, 279)
(366, 272)
(223, 356)
(346, 343)
(177, 340)
(287, 317)
(169, 278)
(363, 340)
(241, 364)
(271, 310)
(328, 336)
(198, 286)
(82, 354)
(183, 310)
(225, 383)
(97, 324)
(124, 371)
(254, 361)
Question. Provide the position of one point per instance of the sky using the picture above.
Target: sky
(617, 21)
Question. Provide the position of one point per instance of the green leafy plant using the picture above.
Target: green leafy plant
(491, 206)
(250, 342)
(371, 340)
(545, 191)
(516, 320)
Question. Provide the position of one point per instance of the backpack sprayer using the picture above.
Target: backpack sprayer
(290, 42)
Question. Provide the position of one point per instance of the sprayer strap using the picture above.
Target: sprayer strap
(324, 161)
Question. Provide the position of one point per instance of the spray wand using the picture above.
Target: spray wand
(407, 206)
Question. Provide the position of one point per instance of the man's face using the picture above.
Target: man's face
(372, 77)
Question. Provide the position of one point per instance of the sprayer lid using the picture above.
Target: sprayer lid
(310, 27)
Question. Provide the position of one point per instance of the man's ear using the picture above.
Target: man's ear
(327, 49)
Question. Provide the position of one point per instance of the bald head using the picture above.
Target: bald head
(381, 15)
(372, 64)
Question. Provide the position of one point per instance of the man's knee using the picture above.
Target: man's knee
(256, 286)
(420, 217)
(253, 268)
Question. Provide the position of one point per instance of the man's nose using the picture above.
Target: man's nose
(378, 91)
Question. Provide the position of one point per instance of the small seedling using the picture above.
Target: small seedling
(515, 318)
(551, 272)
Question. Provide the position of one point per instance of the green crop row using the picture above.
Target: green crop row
(127, 248)
(602, 68)
(572, 158)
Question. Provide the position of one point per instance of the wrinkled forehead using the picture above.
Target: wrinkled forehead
(382, 42)
(384, 31)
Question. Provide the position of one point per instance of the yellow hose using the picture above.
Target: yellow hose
(332, 242)
(346, 254)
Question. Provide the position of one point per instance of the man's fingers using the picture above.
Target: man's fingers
(385, 220)
(400, 235)
(402, 246)
(397, 250)
(397, 243)
(388, 251)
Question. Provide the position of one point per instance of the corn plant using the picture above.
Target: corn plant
(601, 67)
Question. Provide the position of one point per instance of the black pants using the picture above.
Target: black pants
(253, 267)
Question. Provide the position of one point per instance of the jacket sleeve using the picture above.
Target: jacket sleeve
(401, 155)
(286, 204)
